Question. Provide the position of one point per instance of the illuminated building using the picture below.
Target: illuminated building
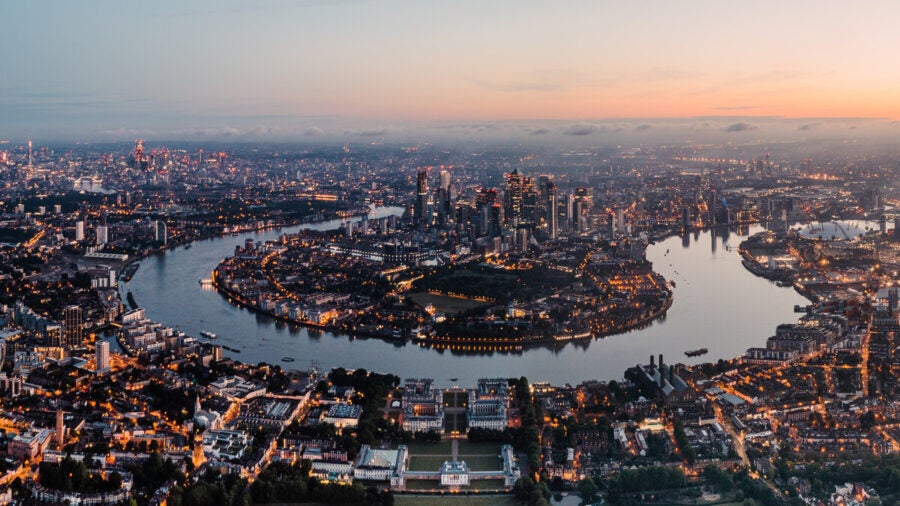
(102, 352)
(72, 324)
(102, 235)
(159, 232)
(420, 211)
(513, 197)
(60, 429)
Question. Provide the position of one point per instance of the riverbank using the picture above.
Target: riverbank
(129, 270)
(236, 299)
(782, 278)
(478, 344)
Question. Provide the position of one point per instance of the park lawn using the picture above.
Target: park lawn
(445, 304)
(427, 462)
(423, 448)
(467, 448)
(482, 462)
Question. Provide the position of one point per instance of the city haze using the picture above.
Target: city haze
(577, 72)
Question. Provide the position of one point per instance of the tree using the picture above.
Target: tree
(718, 479)
(587, 489)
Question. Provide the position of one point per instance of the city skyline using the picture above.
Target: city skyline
(378, 70)
(421, 253)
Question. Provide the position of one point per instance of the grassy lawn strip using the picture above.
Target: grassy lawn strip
(444, 304)
(420, 448)
(426, 462)
(483, 463)
(467, 448)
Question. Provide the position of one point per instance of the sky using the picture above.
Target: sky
(120, 69)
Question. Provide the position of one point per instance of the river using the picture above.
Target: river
(718, 305)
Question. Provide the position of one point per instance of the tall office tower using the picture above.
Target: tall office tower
(420, 210)
(79, 230)
(532, 204)
(348, 229)
(102, 235)
(583, 201)
(585, 194)
(712, 208)
(102, 355)
(160, 234)
(496, 221)
(445, 181)
(578, 218)
(621, 226)
(53, 335)
(485, 200)
(60, 429)
(522, 239)
(552, 213)
(443, 196)
(565, 212)
(30, 159)
(513, 197)
(72, 324)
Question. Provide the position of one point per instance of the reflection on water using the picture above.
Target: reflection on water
(718, 305)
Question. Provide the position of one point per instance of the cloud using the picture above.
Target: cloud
(125, 132)
(370, 132)
(264, 130)
(643, 127)
(313, 131)
(809, 126)
(540, 131)
(582, 129)
(739, 127)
